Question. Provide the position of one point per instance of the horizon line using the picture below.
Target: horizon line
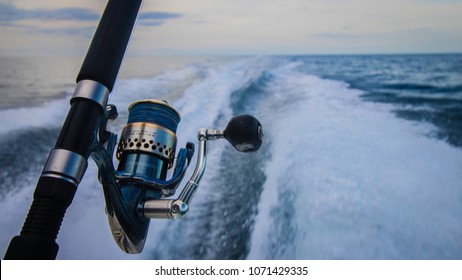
(191, 54)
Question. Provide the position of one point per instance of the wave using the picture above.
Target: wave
(50, 114)
(336, 178)
(349, 180)
(423, 88)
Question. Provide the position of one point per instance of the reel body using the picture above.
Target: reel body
(138, 189)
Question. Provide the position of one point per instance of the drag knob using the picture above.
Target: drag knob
(245, 133)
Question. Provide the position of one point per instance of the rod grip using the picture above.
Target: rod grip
(107, 48)
(37, 240)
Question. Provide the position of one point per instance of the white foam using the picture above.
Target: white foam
(347, 179)
(50, 114)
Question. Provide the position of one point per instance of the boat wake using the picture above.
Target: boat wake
(337, 177)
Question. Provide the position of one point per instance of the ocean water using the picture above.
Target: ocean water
(362, 155)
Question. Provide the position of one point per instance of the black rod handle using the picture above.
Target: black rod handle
(37, 240)
(55, 190)
(108, 46)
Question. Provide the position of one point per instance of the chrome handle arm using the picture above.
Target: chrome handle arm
(178, 208)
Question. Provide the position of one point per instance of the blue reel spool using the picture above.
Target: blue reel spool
(148, 142)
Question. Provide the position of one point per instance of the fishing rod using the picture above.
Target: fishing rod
(138, 189)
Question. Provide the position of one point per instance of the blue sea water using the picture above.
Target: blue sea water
(362, 156)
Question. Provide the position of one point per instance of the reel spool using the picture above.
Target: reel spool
(148, 141)
(138, 190)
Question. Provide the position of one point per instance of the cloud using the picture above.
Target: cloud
(6, 12)
(76, 14)
(335, 36)
(12, 16)
(155, 18)
(150, 23)
(10, 13)
(86, 32)
(158, 16)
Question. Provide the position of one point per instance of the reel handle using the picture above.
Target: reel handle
(244, 133)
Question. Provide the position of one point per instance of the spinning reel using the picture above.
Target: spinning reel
(138, 189)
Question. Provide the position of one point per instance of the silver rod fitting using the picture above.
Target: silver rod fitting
(92, 90)
(65, 165)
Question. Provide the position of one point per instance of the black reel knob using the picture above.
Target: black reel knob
(245, 133)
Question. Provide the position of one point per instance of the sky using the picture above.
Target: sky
(239, 27)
